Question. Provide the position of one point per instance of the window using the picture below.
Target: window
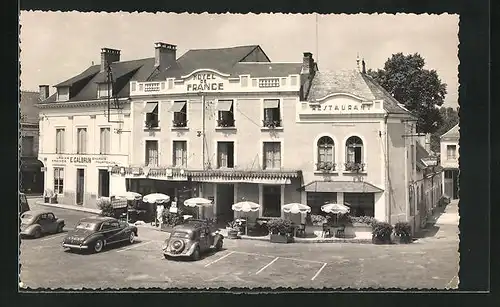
(180, 154)
(27, 146)
(272, 116)
(58, 180)
(225, 154)
(317, 199)
(81, 136)
(179, 108)
(50, 216)
(451, 152)
(354, 154)
(271, 200)
(225, 113)
(272, 155)
(102, 90)
(105, 141)
(326, 156)
(63, 93)
(151, 153)
(60, 140)
(151, 111)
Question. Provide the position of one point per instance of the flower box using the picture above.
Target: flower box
(278, 238)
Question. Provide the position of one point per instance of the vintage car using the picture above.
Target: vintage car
(37, 223)
(94, 233)
(191, 239)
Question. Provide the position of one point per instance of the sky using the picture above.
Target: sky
(56, 46)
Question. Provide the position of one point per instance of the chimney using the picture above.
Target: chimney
(44, 92)
(307, 63)
(109, 56)
(165, 54)
(363, 66)
(307, 74)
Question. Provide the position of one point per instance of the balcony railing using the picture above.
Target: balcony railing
(179, 123)
(222, 123)
(325, 166)
(152, 87)
(354, 167)
(271, 123)
(150, 124)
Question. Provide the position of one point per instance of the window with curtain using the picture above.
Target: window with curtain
(272, 155)
(354, 150)
(272, 114)
(105, 139)
(151, 153)
(451, 152)
(326, 157)
(225, 154)
(60, 140)
(58, 180)
(81, 147)
(180, 153)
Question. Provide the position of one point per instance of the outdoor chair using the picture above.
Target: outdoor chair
(340, 232)
(327, 231)
(301, 231)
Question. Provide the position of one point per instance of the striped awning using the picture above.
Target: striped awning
(341, 186)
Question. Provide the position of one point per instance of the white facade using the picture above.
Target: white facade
(63, 152)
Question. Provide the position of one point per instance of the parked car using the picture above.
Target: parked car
(37, 223)
(191, 239)
(94, 233)
(23, 203)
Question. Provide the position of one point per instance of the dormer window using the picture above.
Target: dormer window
(63, 93)
(103, 91)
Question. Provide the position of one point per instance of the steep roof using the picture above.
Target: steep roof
(27, 107)
(356, 83)
(84, 85)
(453, 132)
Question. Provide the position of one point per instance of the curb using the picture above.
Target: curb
(87, 210)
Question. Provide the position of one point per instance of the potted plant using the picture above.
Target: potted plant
(269, 123)
(233, 230)
(280, 231)
(402, 233)
(381, 233)
(171, 219)
(104, 203)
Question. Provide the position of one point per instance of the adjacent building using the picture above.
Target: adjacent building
(30, 170)
(450, 147)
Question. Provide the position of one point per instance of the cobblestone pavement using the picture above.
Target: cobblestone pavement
(431, 262)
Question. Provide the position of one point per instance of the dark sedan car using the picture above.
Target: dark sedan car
(94, 233)
(192, 239)
(37, 223)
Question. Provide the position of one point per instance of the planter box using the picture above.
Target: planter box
(376, 240)
(276, 238)
(46, 200)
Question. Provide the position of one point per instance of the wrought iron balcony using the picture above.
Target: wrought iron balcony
(179, 123)
(354, 167)
(326, 166)
(228, 122)
(275, 123)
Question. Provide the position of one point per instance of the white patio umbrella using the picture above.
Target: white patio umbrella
(246, 208)
(296, 208)
(129, 195)
(197, 201)
(335, 208)
(156, 198)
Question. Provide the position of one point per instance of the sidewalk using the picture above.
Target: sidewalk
(69, 207)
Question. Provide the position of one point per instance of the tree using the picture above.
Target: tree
(419, 89)
(449, 118)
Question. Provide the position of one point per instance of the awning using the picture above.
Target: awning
(150, 107)
(341, 186)
(271, 103)
(177, 106)
(224, 105)
(31, 164)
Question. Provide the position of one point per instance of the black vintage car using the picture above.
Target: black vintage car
(94, 233)
(191, 239)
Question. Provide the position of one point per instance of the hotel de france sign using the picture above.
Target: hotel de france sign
(204, 81)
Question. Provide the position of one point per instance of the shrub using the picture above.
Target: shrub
(402, 229)
(279, 226)
(104, 203)
(318, 220)
(172, 219)
(368, 220)
(382, 230)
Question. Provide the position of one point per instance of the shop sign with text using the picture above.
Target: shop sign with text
(206, 82)
(340, 108)
(83, 160)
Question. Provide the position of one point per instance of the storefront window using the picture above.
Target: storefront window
(317, 199)
(271, 195)
(59, 180)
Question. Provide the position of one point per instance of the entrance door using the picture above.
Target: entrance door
(103, 183)
(225, 200)
(80, 185)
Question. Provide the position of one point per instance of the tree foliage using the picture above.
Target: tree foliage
(449, 118)
(419, 89)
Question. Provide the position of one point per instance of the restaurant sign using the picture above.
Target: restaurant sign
(83, 160)
(207, 82)
(341, 108)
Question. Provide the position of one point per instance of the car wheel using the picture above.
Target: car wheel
(99, 244)
(196, 254)
(131, 238)
(37, 234)
(219, 244)
(60, 228)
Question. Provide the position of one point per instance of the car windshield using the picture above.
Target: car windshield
(86, 225)
(178, 234)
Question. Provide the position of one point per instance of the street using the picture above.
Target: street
(428, 263)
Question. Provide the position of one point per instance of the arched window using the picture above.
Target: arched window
(354, 150)
(326, 154)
